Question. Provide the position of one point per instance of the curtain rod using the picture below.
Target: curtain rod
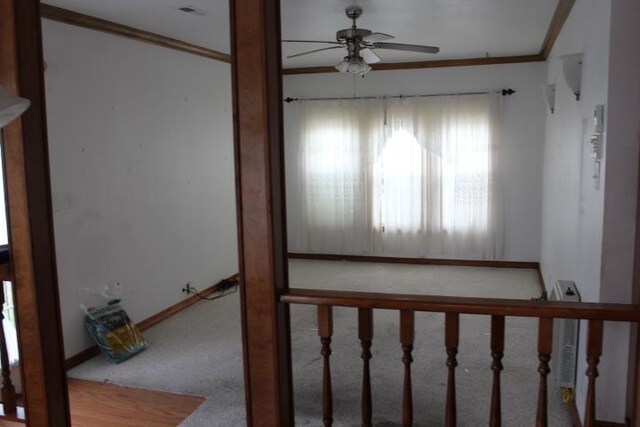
(504, 92)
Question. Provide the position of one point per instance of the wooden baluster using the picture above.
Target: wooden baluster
(325, 331)
(365, 333)
(497, 352)
(407, 332)
(452, 332)
(594, 351)
(545, 343)
(8, 391)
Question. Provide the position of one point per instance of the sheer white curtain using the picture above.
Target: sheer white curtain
(334, 173)
(409, 177)
(444, 185)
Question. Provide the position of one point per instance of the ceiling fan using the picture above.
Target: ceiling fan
(360, 44)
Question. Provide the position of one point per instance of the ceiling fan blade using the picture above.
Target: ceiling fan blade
(369, 56)
(313, 51)
(310, 41)
(377, 37)
(407, 47)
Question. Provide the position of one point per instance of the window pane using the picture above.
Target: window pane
(400, 180)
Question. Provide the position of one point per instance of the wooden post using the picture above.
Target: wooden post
(451, 340)
(365, 333)
(594, 351)
(545, 344)
(257, 99)
(325, 331)
(497, 352)
(31, 243)
(407, 336)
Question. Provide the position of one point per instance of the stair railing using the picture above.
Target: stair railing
(452, 307)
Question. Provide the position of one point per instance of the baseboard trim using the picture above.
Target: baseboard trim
(419, 261)
(176, 308)
(145, 324)
(80, 358)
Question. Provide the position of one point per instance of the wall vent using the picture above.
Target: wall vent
(565, 337)
(192, 10)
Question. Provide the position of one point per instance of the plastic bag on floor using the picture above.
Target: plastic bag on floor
(109, 325)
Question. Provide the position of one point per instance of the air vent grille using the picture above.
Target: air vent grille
(565, 337)
(192, 10)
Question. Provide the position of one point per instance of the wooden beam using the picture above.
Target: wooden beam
(91, 22)
(441, 63)
(557, 22)
(259, 157)
(28, 191)
(633, 369)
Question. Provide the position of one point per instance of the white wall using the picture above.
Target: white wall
(141, 155)
(589, 225)
(524, 130)
(573, 207)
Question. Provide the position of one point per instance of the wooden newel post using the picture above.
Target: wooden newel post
(257, 103)
(30, 214)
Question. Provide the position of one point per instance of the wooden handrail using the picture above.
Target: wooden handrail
(464, 305)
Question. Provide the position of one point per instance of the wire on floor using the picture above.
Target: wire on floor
(225, 288)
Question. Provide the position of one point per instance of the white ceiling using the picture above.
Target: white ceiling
(461, 28)
(163, 17)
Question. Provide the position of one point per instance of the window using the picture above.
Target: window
(411, 176)
(332, 171)
(398, 184)
(465, 175)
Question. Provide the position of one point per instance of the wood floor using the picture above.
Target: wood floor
(107, 405)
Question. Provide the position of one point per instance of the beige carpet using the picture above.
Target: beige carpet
(199, 352)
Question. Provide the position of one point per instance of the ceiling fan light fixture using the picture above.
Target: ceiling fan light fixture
(343, 65)
(360, 43)
(353, 65)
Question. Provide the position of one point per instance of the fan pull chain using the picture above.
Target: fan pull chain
(353, 79)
